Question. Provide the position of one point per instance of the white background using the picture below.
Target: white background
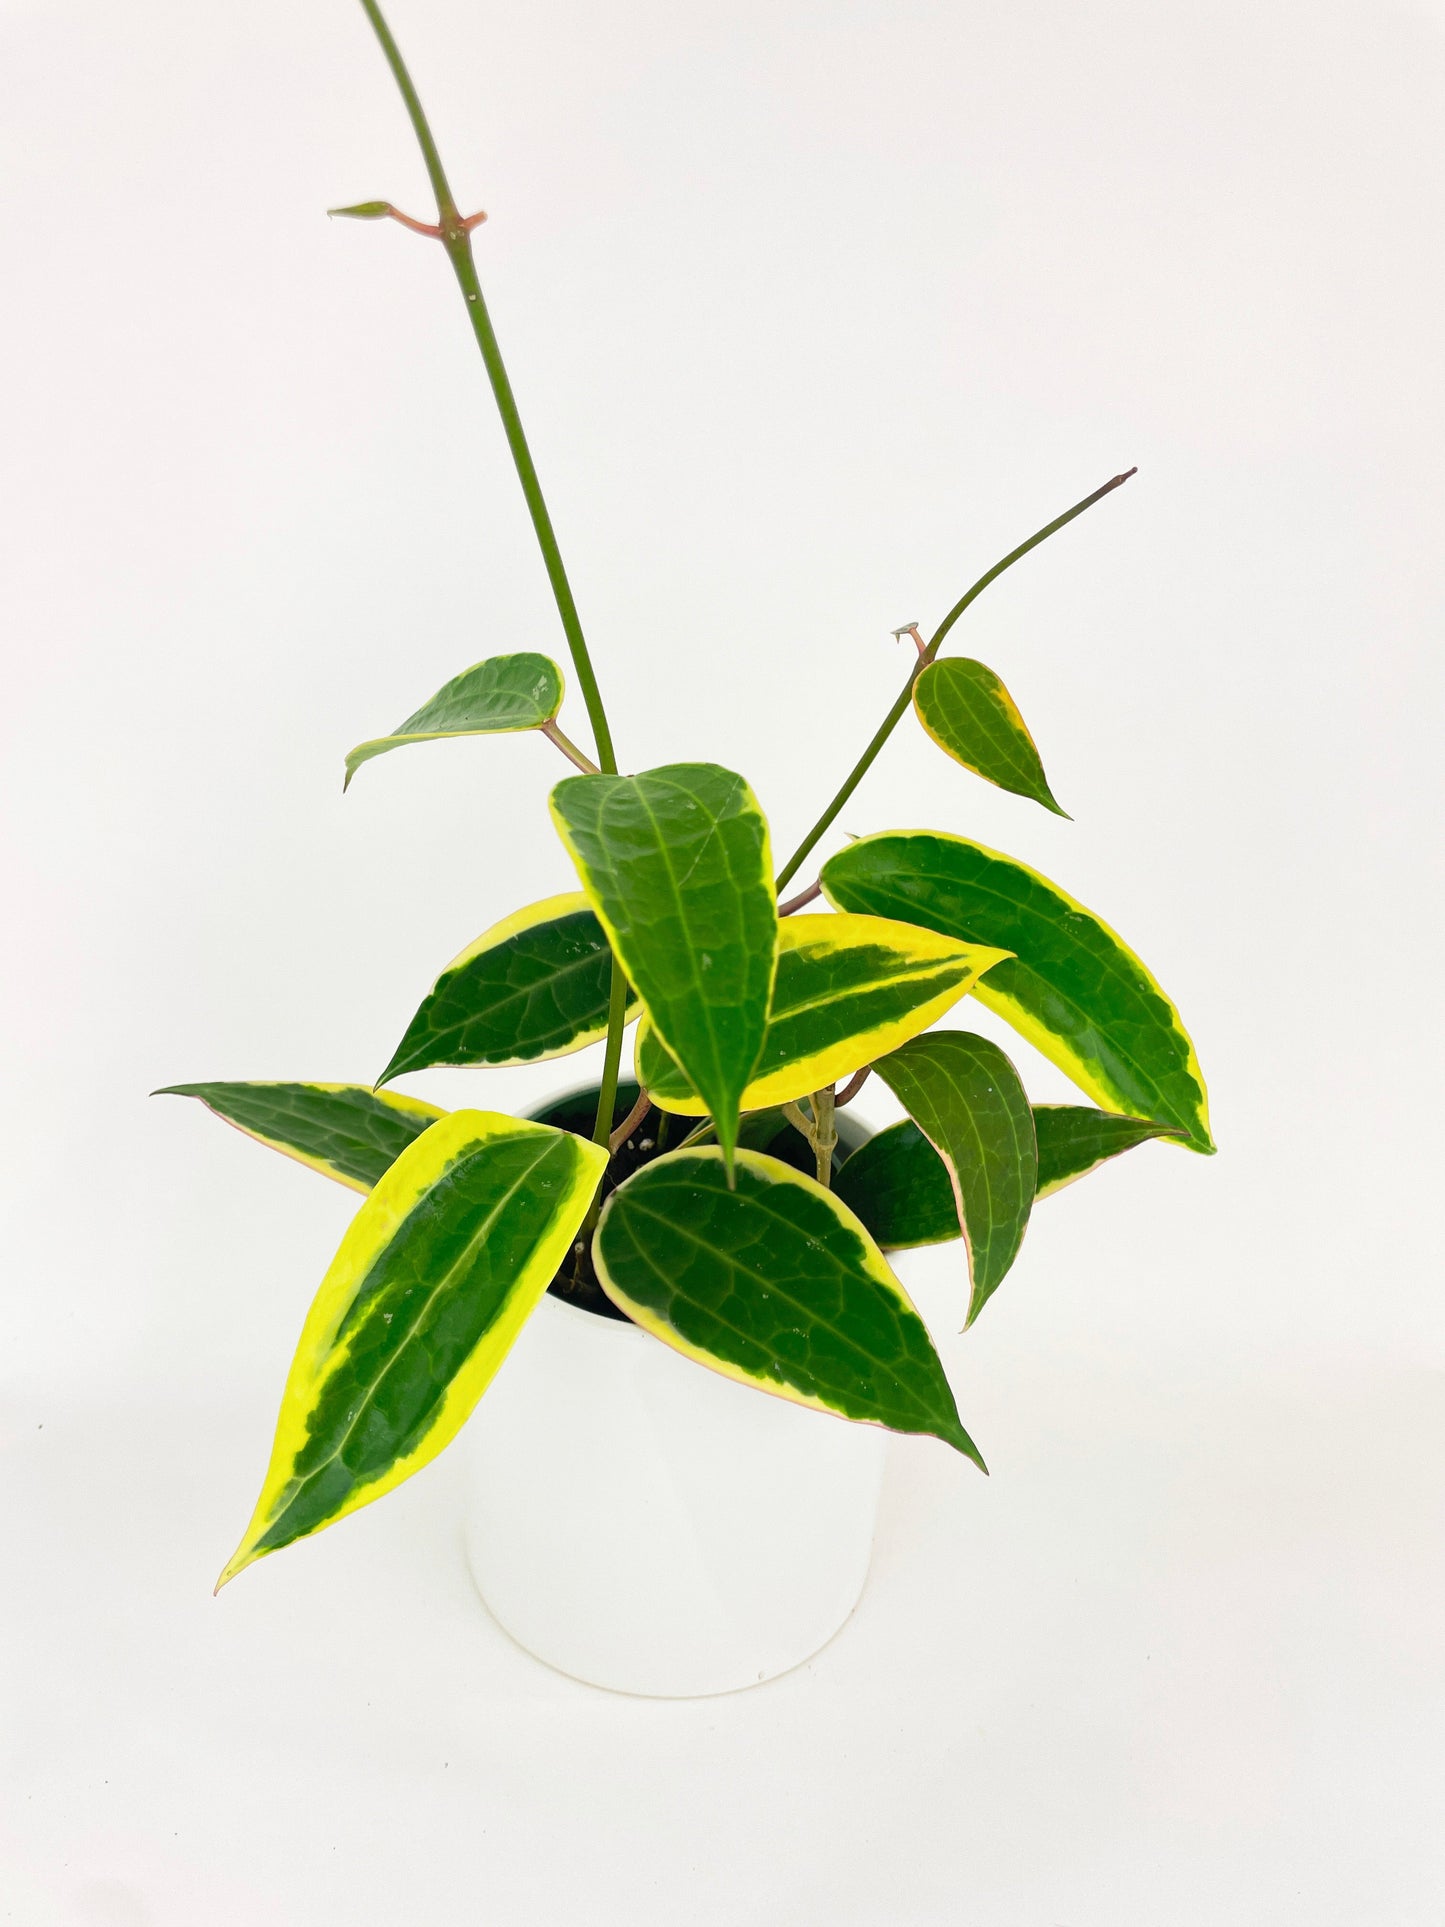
(813, 311)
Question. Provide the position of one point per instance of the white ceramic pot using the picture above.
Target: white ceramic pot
(644, 1524)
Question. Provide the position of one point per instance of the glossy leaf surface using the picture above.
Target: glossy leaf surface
(438, 1272)
(532, 987)
(968, 712)
(676, 863)
(848, 989)
(965, 1096)
(775, 1284)
(494, 697)
(897, 1184)
(1075, 1139)
(1073, 988)
(345, 1131)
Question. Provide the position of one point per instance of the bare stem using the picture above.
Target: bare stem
(612, 1057)
(825, 1134)
(630, 1123)
(855, 1084)
(801, 900)
(569, 749)
(890, 722)
(456, 238)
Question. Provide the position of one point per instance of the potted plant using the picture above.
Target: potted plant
(638, 1520)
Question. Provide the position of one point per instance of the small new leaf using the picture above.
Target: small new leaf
(968, 712)
(776, 1284)
(496, 697)
(363, 211)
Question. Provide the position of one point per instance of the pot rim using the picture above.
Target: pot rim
(593, 1318)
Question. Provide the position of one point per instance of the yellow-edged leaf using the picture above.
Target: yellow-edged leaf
(849, 989)
(771, 1281)
(440, 1269)
(536, 985)
(348, 1132)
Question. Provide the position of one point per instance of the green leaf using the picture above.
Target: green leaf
(503, 694)
(534, 986)
(440, 1269)
(364, 211)
(899, 1186)
(1075, 1139)
(848, 989)
(968, 712)
(775, 1284)
(676, 863)
(345, 1131)
(965, 1096)
(1072, 987)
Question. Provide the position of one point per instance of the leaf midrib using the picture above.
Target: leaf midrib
(809, 1312)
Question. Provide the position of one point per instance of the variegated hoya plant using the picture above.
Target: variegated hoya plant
(722, 1201)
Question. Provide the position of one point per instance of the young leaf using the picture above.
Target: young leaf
(1074, 1139)
(534, 986)
(775, 1284)
(968, 712)
(439, 1271)
(848, 990)
(966, 1098)
(345, 1131)
(503, 694)
(677, 865)
(1072, 987)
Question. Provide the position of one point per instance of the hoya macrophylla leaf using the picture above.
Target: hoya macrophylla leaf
(848, 989)
(1072, 987)
(534, 986)
(495, 697)
(967, 711)
(1075, 1139)
(441, 1267)
(900, 1189)
(965, 1096)
(346, 1131)
(776, 1284)
(677, 864)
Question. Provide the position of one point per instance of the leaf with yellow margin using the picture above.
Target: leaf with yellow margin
(440, 1269)
(849, 989)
